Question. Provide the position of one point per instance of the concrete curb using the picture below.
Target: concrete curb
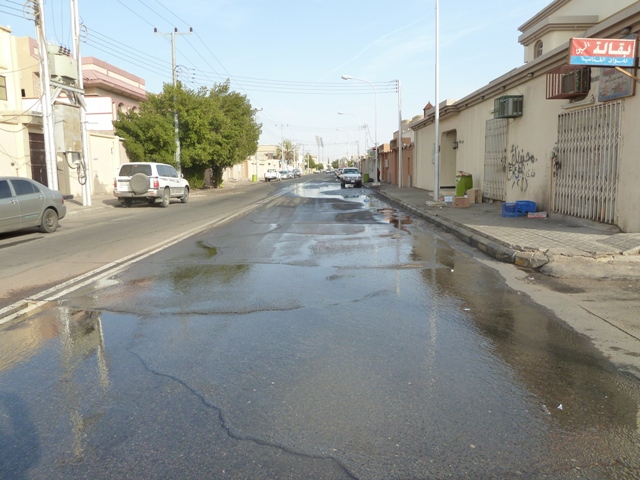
(487, 245)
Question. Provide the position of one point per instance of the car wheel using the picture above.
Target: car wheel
(166, 198)
(126, 202)
(49, 223)
(342, 185)
(139, 183)
(185, 196)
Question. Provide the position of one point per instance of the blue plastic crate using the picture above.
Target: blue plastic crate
(525, 206)
(509, 209)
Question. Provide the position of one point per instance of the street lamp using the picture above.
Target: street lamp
(255, 111)
(375, 93)
(399, 135)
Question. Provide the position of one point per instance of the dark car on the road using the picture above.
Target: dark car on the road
(25, 203)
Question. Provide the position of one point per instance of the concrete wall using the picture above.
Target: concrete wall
(14, 138)
(628, 198)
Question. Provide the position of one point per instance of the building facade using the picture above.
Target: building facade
(108, 91)
(558, 134)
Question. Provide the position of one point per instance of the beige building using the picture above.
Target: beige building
(109, 91)
(558, 134)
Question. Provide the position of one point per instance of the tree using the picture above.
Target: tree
(217, 129)
(289, 150)
(309, 161)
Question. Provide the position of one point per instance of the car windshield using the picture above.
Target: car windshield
(350, 170)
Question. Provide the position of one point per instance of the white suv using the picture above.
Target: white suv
(149, 181)
(271, 174)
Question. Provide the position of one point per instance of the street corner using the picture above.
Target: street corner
(531, 259)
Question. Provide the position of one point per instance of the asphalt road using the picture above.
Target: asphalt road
(323, 334)
(91, 240)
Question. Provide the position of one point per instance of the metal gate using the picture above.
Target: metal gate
(495, 159)
(585, 170)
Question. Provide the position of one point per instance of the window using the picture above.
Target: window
(537, 49)
(24, 187)
(129, 170)
(5, 191)
(3, 88)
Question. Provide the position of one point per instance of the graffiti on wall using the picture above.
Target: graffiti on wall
(520, 168)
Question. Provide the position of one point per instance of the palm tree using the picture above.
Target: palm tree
(289, 151)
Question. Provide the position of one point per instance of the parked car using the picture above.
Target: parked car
(296, 173)
(149, 181)
(25, 203)
(284, 174)
(272, 174)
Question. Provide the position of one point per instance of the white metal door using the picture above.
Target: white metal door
(585, 173)
(495, 159)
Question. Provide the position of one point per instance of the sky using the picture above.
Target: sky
(288, 56)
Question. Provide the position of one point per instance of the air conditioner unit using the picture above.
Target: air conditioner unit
(508, 106)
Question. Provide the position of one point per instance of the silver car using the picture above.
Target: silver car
(25, 203)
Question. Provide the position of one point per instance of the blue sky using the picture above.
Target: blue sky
(288, 56)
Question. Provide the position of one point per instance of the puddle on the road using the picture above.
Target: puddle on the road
(211, 250)
(187, 277)
(332, 190)
(394, 217)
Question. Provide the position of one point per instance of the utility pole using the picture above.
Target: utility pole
(47, 106)
(175, 84)
(282, 159)
(75, 28)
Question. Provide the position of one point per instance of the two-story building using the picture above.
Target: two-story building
(108, 91)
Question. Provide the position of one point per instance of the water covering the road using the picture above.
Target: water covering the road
(327, 336)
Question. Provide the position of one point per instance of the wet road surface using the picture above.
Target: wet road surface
(325, 335)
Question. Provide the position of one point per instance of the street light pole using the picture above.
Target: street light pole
(399, 136)
(255, 111)
(282, 159)
(375, 96)
(436, 175)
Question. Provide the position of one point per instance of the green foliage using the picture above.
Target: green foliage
(335, 164)
(308, 160)
(289, 149)
(217, 129)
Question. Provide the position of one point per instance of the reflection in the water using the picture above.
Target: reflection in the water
(553, 361)
(83, 350)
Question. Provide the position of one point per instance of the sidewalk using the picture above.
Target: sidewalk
(559, 245)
